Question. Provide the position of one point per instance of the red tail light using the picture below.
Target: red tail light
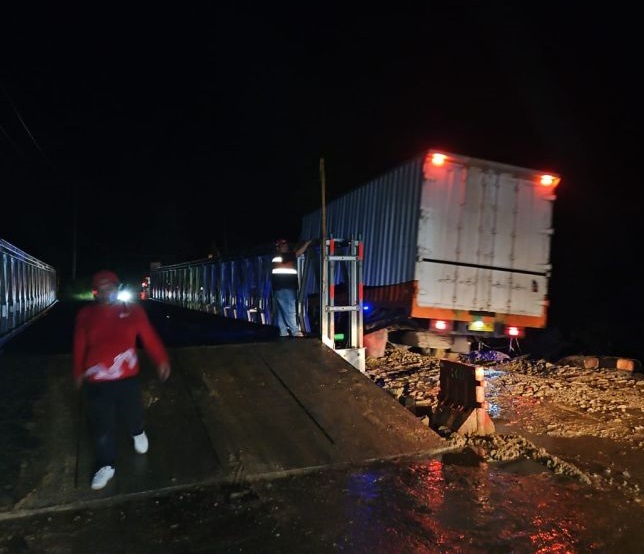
(441, 325)
(438, 159)
(547, 180)
(514, 332)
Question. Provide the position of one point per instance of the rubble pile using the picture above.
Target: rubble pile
(539, 402)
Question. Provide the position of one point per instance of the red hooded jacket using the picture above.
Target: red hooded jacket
(105, 341)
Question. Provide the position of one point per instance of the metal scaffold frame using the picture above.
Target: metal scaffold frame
(343, 258)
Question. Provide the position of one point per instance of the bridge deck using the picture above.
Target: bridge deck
(230, 412)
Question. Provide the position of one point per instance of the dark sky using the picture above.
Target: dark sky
(181, 129)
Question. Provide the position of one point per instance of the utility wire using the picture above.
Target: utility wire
(14, 143)
(24, 125)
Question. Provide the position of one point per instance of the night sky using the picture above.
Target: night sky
(178, 132)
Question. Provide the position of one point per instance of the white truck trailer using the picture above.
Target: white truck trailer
(456, 248)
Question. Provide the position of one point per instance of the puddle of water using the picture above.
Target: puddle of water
(492, 392)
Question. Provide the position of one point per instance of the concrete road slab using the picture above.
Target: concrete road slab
(228, 413)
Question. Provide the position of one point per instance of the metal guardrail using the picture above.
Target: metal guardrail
(28, 287)
(238, 288)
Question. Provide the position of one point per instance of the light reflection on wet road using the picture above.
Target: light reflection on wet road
(457, 504)
(461, 504)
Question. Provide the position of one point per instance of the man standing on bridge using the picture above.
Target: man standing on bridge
(285, 284)
(106, 366)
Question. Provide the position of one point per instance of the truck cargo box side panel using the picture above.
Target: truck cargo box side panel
(383, 214)
(483, 239)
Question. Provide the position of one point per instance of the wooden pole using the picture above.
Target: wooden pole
(323, 264)
(323, 210)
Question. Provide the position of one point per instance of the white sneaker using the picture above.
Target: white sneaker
(141, 443)
(101, 477)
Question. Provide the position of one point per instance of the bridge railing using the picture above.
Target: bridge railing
(238, 287)
(27, 287)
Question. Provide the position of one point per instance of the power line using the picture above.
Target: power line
(13, 143)
(24, 125)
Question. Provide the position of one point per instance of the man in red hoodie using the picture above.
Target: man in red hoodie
(106, 366)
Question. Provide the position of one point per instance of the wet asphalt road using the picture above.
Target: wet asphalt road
(453, 502)
(450, 505)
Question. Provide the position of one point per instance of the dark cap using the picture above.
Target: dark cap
(104, 277)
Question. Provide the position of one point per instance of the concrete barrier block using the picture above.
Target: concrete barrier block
(462, 407)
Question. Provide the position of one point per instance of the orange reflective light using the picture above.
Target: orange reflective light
(549, 180)
(438, 159)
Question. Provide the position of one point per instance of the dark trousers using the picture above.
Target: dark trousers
(109, 403)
